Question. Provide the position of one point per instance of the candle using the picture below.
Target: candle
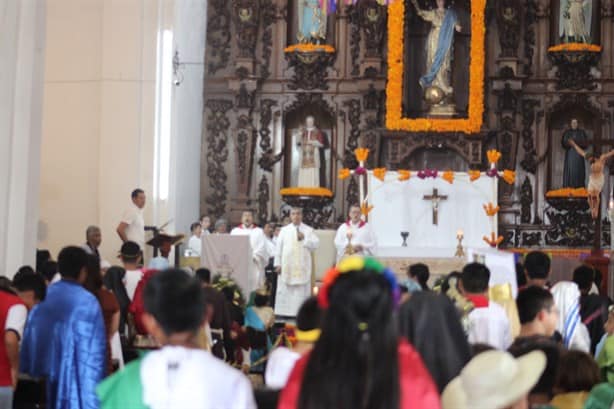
(315, 290)
(611, 204)
(459, 234)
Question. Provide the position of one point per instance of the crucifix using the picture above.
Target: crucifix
(435, 198)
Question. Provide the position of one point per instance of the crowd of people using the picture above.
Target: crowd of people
(80, 333)
(366, 340)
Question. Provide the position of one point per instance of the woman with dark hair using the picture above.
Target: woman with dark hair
(108, 303)
(359, 361)
(578, 374)
(431, 323)
(113, 281)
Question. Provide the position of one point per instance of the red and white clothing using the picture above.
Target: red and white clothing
(260, 253)
(362, 234)
(488, 323)
(416, 387)
(312, 139)
(131, 280)
(13, 315)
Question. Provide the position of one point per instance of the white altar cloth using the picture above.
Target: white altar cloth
(399, 206)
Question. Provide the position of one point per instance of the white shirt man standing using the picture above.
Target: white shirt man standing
(132, 226)
(295, 244)
(355, 236)
(260, 254)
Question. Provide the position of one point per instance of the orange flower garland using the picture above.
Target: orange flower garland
(448, 176)
(309, 48)
(509, 176)
(306, 191)
(568, 192)
(474, 175)
(344, 173)
(394, 88)
(593, 48)
(404, 175)
(361, 154)
(379, 173)
(491, 210)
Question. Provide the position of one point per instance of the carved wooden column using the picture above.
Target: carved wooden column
(607, 42)
(542, 38)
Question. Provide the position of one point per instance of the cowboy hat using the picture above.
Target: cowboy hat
(493, 380)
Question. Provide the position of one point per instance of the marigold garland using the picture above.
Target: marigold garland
(310, 48)
(306, 191)
(394, 88)
(593, 48)
(379, 173)
(448, 176)
(568, 192)
(344, 173)
(404, 175)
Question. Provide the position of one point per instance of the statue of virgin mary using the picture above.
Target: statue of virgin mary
(439, 45)
(311, 21)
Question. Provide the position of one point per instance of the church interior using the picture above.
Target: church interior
(439, 133)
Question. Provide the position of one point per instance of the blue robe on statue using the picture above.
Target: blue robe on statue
(444, 45)
(64, 342)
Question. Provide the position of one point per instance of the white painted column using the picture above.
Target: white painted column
(21, 86)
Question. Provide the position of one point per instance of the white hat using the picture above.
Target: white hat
(493, 380)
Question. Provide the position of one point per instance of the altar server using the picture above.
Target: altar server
(355, 236)
(257, 240)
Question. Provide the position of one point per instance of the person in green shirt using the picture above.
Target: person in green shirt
(179, 374)
(605, 349)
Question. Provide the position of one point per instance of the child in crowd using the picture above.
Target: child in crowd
(282, 360)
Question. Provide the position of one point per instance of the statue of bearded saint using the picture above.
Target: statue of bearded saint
(311, 21)
(439, 45)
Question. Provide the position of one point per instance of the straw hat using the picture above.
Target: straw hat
(493, 380)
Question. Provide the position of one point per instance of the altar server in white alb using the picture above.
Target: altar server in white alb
(355, 236)
(293, 261)
(257, 240)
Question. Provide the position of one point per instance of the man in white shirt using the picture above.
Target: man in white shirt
(257, 241)
(293, 263)
(355, 236)
(195, 243)
(488, 323)
(132, 226)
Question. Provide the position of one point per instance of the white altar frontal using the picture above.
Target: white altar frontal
(408, 206)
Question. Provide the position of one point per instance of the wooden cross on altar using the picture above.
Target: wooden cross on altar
(435, 198)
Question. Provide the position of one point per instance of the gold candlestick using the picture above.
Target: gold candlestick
(459, 247)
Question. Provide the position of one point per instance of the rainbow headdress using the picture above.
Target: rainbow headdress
(357, 263)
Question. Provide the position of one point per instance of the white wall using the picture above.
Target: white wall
(100, 115)
(21, 75)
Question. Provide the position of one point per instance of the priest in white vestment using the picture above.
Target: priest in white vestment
(293, 262)
(355, 236)
(260, 253)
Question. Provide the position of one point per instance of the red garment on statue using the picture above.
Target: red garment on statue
(417, 389)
